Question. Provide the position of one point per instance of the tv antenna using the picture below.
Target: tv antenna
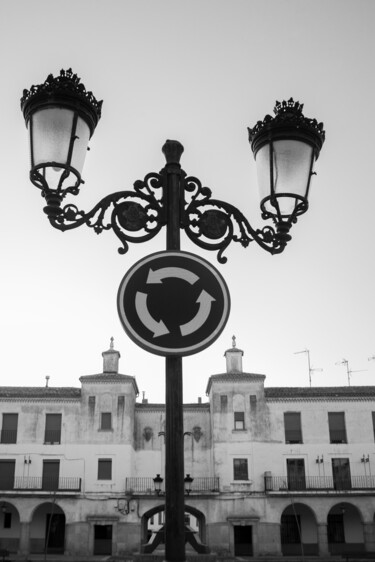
(349, 371)
(311, 369)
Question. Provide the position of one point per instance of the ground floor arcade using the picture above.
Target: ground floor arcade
(237, 525)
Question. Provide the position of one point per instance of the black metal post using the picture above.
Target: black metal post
(174, 425)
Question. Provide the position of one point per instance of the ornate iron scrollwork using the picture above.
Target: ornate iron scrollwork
(137, 216)
(134, 216)
(214, 224)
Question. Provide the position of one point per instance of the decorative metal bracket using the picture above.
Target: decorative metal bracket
(137, 216)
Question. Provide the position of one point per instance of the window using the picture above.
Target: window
(9, 428)
(337, 431)
(240, 470)
(239, 420)
(296, 474)
(53, 428)
(292, 425)
(341, 474)
(373, 423)
(223, 402)
(105, 469)
(106, 421)
(7, 520)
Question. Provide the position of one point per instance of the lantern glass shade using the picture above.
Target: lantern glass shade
(58, 142)
(284, 170)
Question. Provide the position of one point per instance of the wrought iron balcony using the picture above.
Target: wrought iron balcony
(145, 485)
(318, 483)
(8, 436)
(38, 483)
(52, 436)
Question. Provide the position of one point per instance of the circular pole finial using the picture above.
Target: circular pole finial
(172, 151)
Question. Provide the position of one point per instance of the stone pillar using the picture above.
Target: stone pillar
(69, 540)
(269, 539)
(369, 536)
(24, 538)
(323, 539)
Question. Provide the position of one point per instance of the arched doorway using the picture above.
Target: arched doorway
(47, 529)
(299, 531)
(152, 530)
(9, 527)
(345, 529)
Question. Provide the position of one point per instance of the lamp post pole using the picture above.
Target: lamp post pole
(174, 425)
(285, 147)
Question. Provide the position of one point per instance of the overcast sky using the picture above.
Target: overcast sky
(198, 71)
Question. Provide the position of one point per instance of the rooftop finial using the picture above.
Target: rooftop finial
(233, 341)
(111, 344)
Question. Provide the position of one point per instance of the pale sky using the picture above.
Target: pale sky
(199, 71)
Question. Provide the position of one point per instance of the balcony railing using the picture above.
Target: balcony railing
(34, 483)
(52, 436)
(317, 483)
(145, 485)
(8, 436)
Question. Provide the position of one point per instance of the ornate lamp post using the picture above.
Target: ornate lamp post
(61, 116)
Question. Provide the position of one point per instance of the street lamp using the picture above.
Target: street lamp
(158, 481)
(188, 482)
(61, 116)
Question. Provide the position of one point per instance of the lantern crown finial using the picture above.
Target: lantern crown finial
(288, 122)
(289, 106)
(64, 90)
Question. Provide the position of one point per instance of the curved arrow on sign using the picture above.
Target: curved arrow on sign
(157, 328)
(165, 272)
(200, 318)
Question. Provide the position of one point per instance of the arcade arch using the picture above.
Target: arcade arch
(299, 531)
(47, 529)
(10, 528)
(152, 529)
(345, 529)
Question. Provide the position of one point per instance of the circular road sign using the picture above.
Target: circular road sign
(173, 303)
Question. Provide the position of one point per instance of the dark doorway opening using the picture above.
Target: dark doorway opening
(102, 539)
(243, 540)
(55, 533)
(50, 478)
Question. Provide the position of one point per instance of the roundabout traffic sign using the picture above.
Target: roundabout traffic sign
(173, 303)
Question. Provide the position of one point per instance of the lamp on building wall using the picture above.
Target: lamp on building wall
(61, 117)
(158, 481)
(188, 482)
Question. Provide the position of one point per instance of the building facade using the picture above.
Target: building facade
(271, 470)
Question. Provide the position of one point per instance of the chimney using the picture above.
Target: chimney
(110, 359)
(234, 358)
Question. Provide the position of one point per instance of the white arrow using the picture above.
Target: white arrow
(200, 318)
(165, 272)
(157, 328)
